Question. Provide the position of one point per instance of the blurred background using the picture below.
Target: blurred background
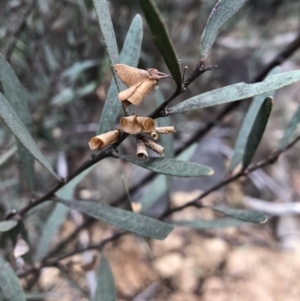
(57, 51)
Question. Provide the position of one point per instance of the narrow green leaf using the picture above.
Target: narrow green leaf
(129, 221)
(292, 126)
(7, 225)
(9, 283)
(220, 14)
(240, 144)
(106, 289)
(257, 131)
(158, 187)
(107, 30)
(255, 217)
(236, 92)
(162, 39)
(15, 93)
(58, 215)
(15, 125)
(130, 55)
(50, 228)
(211, 224)
(171, 167)
(7, 155)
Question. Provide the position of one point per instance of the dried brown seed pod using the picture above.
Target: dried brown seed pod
(101, 141)
(139, 82)
(165, 130)
(154, 146)
(141, 150)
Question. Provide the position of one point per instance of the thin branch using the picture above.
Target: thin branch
(55, 261)
(270, 160)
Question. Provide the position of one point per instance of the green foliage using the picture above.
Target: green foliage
(220, 14)
(236, 92)
(106, 290)
(16, 126)
(7, 225)
(129, 221)
(64, 89)
(130, 55)
(257, 130)
(10, 286)
(249, 120)
(171, 167)
(17, 97)
(161, 37)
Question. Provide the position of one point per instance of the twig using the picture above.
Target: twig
(55, 261)
(270, 160)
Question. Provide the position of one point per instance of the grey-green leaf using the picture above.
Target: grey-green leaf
(236, 92)
(211, 224)
(129, 221)
(248, 121)
(257, 131)
(161, 38)
(106, 289)
(255, 217)
(292, 126)
(16, 126)
(159, 186)
(9, 283)
(58, 215)
(130, 55)
(107, 29)
(17, 97)
(220, 14)
(171, 167)
(7, 225)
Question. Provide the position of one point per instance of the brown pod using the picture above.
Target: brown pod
(139, 82)
(103, 140)
(154, 146)
(147, 123)
(130, 125)
(141, 150)
(165, 130)
(137, 93)
(154, 135)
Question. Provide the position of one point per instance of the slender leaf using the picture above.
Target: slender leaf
(132, 222)
(107, 30)
(236, 92)
(7, 225)
(58, 215)
(15, 125)
(171, 167)
(257, 131)
(240, 144)
(17, 97)
(292, 126)
(106, 289)
(211, 224)
(220, 14)
(130, 55)
(255, 217)
(158, 187)
(161, 38)
(9, 283)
